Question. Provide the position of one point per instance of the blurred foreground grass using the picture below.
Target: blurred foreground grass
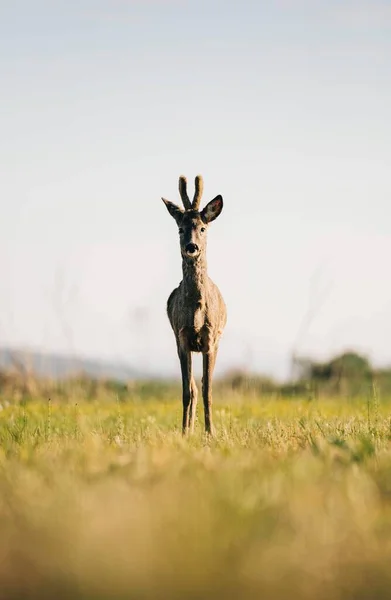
(106, 500)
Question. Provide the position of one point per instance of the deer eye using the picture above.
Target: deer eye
(202, 229)
(180, 229)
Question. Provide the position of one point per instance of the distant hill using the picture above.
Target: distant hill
(58, 366)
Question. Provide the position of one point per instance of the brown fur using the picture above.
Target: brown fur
(196, 309)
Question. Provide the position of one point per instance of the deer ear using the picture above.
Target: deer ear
(212, 209)
(173, 209)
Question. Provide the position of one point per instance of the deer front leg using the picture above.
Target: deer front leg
(185, 360)
(208, 363)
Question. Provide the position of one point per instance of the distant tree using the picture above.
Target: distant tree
(349, 364)
(347, 373)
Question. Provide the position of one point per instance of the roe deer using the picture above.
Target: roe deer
(196, 309)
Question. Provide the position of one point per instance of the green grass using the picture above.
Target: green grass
(107, 500)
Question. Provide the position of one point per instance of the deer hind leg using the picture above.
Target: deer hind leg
(208, 363)
(193, 404)
(187, 377)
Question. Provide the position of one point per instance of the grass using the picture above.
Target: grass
(107, 500)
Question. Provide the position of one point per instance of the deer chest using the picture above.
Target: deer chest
(198, 317)
(194, 332)
(194, 340)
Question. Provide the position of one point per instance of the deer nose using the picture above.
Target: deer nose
(191, 248)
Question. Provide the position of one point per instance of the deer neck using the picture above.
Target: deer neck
(195, 277)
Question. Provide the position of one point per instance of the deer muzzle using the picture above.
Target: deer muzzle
(191, 248)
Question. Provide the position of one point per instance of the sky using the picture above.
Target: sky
(282, 106)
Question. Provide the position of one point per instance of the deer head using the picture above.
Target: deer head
(192, 223)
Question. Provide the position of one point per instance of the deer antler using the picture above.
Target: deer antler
(183, 192)
(199, 188)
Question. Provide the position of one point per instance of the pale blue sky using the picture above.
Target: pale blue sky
(284, 107)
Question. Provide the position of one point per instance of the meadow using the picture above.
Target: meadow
(105, 499)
